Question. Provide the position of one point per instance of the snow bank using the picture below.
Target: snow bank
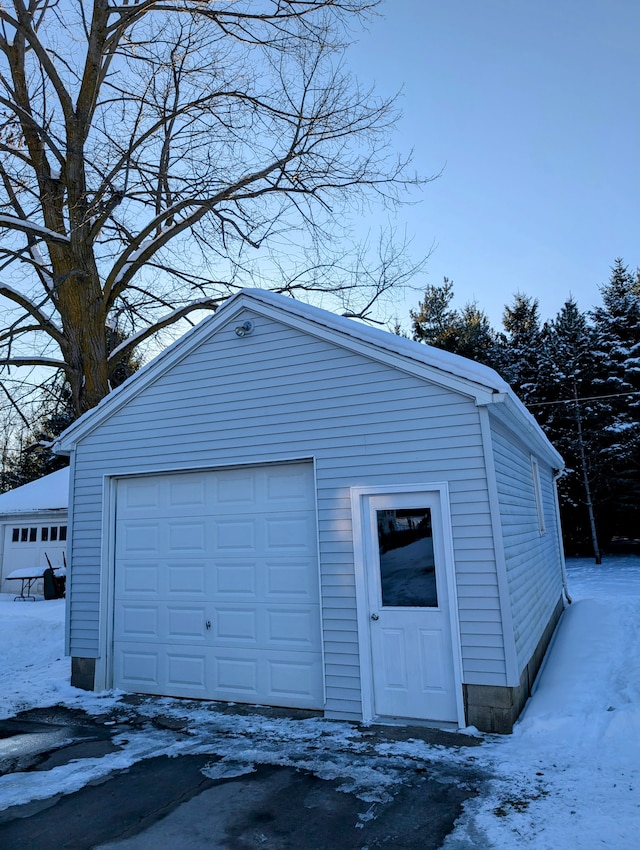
(569, 776)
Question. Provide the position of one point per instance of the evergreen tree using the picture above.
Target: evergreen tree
(573, 420)
(434, 323)
(476, 338)
(617, 325)
(521, 349)
(466, 332)
(580, 376)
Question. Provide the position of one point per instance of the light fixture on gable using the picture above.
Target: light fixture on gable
(244, 329)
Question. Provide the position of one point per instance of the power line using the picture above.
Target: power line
(586, 398)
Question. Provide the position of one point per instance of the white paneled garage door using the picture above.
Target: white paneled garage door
(216, 586)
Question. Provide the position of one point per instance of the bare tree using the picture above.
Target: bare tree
(155, 154)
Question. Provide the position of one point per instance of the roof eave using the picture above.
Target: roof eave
(514, 414)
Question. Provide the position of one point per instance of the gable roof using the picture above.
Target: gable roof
(450, 370)
(50, 492)
(449, 364)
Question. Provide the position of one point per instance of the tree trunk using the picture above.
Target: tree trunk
(585, 477)
(85, 347)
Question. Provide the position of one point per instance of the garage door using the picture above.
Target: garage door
(216, 586)
(32, 544)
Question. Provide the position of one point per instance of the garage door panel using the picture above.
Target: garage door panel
(186, 670)
(234, 625)
(235, 579)
(138, 579)
(236, 490)
(185, 536)
(269, 677)
(136, 622)
(281, 580)
(232, 674)
(138, 537)
(288, 679)
(291, 579)
(160, 622)
(235, 678)
(140, 496)
(187, 578)
(289, 487)
(187, 491)
(236, 535)
(185, 623)
(235, 549)
(292, 627)
(289, 533)
(137, 666)
(162, 579)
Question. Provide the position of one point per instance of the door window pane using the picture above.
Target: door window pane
(407, 567)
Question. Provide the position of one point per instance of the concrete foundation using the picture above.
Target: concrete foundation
(496, 709)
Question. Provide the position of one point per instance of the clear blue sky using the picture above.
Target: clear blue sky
(532, 108)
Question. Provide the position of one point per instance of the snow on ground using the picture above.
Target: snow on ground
(33, 667)
(570, 773)
(569, 776)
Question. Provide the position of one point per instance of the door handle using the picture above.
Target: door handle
(375, 617)
(208, 624)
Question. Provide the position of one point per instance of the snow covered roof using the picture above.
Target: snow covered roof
(47, 493)
(445, 361)
(452, 370)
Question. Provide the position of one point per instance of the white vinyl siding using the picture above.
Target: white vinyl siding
(282, 394)
(534, 580)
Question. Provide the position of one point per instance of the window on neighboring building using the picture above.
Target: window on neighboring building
(47, 533)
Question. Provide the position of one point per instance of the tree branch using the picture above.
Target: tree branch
(123, 350)
(33, 310)
(33, 229)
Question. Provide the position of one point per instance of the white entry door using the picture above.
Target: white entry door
(409, 618)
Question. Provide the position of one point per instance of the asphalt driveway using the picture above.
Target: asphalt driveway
(237, 780)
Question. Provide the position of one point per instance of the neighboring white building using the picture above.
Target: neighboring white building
(33, 525)
(227, 503)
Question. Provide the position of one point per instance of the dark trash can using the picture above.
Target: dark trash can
(54, 586)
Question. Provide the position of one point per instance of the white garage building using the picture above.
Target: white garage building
(33, 526)
(290, 508)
